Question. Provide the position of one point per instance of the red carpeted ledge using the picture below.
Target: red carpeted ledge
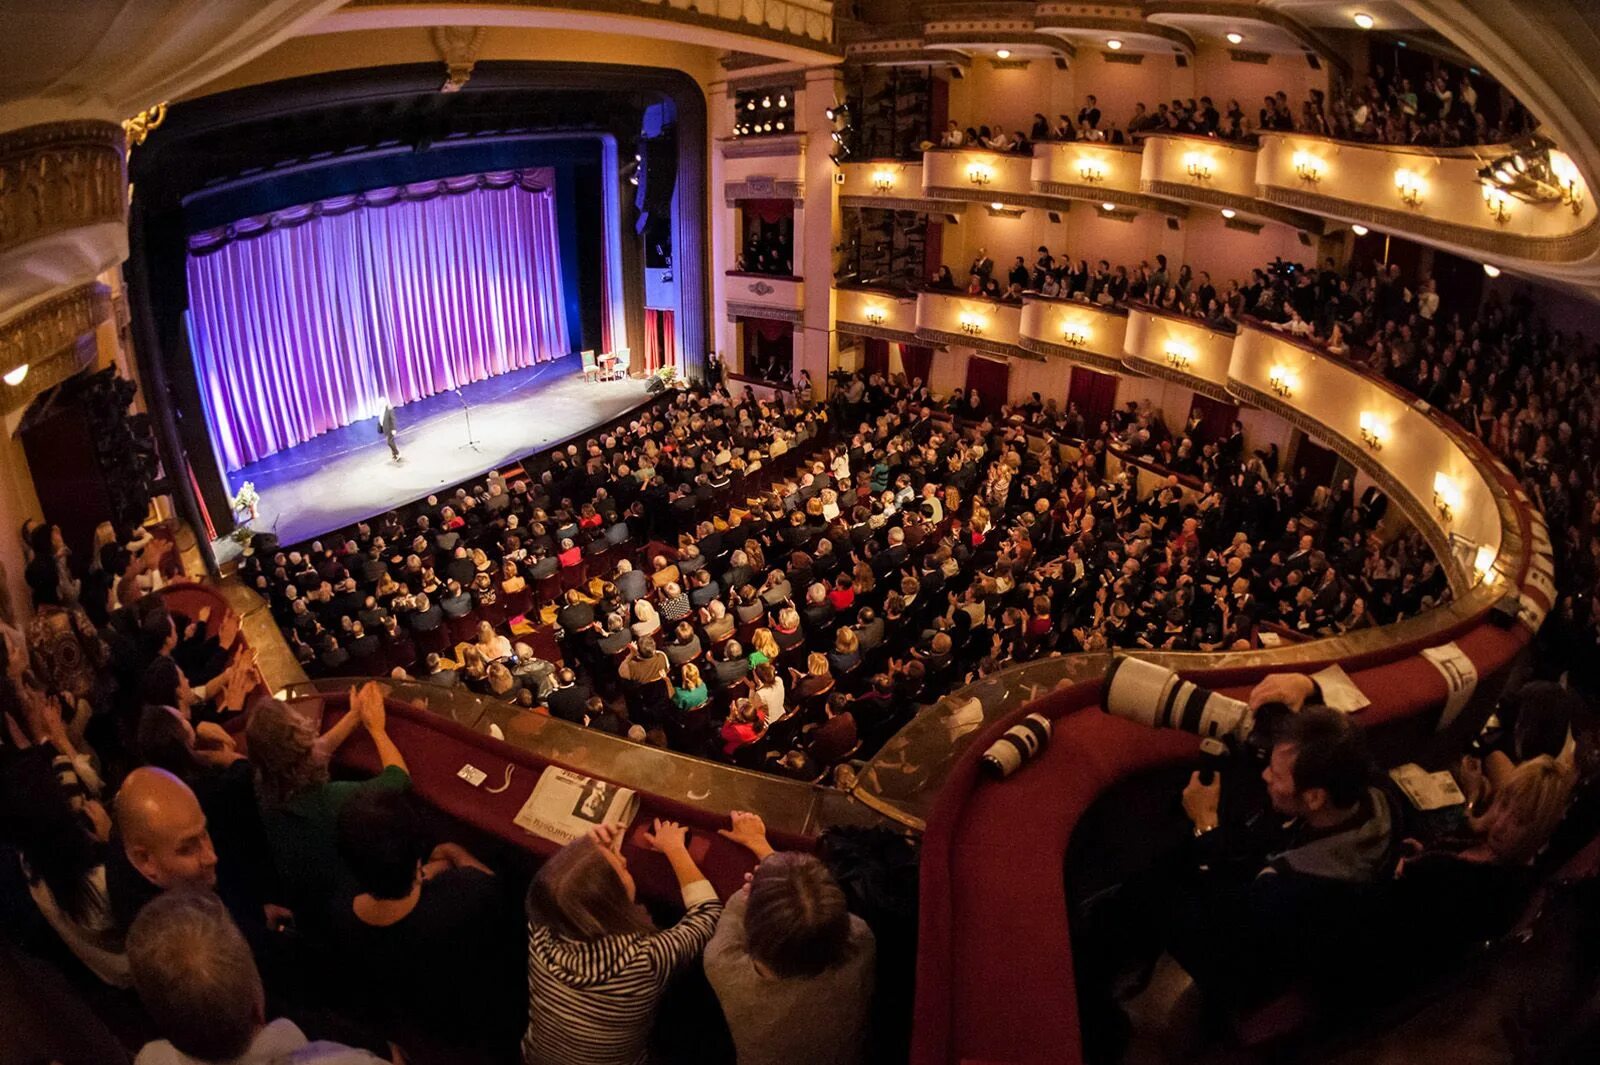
(994, 965)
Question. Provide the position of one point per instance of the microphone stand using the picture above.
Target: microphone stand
(466, 409)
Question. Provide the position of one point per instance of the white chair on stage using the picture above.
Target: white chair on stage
(622, 358)
(591, 368)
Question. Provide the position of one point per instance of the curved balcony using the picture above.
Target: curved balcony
(1179, 349)
(1097, 173)
(874, 312)
(794, 30)
(971, 322)
(1432, 194)
(976, 176)
(889, 184)
(1080, 332)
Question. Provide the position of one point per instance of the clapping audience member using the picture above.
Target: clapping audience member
(786, 953)
(597, 964)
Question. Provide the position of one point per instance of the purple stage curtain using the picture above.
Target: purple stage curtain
(307, 319)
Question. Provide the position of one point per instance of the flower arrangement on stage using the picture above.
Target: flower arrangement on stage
(663, 379)
(246, 505)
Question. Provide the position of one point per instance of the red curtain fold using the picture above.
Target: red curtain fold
(992, 379)
(1095, 395)
(768, 211)
(770, 329)
(916, 361)
(877, 356)
(1216, 418)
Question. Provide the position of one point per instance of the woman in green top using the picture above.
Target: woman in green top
(299, 803)
(766, 648)
(691, 693)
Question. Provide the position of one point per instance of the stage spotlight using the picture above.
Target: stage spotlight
(783, 101)
(837, 111)
(780, 126)
(751, 106)
(766, 101)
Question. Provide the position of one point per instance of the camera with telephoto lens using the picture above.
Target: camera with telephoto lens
(1156, 696)
(1019, 743)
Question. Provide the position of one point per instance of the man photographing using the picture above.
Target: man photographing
(1280, 887)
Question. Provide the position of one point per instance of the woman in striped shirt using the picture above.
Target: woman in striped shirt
(597, 966)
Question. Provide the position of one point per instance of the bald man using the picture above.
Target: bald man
(162, 842)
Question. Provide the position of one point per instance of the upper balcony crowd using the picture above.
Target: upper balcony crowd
(1441, 111)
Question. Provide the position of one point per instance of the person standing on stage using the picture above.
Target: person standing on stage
(386, 427)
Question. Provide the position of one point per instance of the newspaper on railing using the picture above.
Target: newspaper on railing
(565, 805)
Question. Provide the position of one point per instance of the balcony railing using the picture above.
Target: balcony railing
(875, 313)
(968, 321)
(755, 295)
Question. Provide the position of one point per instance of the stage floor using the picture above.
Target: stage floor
(346, 475)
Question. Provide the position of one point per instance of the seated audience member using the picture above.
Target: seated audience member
(299, 803)
(597, 966)
(491, 644)
(787, 953)
(197, 980)
(414, 913)
(1263, 904)
(59, 835)
(438, 673)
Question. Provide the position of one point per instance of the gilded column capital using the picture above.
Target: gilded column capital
(60, 176)
(47, 339)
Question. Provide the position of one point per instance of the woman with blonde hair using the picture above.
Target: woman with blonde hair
(691, 693)
(491, 645)
(765, 646)
(817, 679)
(597, 964)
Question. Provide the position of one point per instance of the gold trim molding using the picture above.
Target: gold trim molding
(48, 339)
(1089, 360)
(60, 176)
(941, 338)
(1261, 208)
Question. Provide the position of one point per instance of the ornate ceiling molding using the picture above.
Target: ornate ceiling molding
(49, 340)
(60, 176)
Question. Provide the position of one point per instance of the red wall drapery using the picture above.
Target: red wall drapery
(1094, 393)
(659, 343)
(917, 362)
(877, 356)
(768, 211)
(992, 379)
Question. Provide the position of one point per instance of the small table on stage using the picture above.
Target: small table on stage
(608, 366)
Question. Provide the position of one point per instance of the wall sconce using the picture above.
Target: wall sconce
(980, 174)
(1282, 380)
(1091, 171)
(1410, 185)
(1180, 356)
(1483, 561)
(1198, 165)
(875, 316)
(971, 324)
(1497, 203)
(1446, 495)
(1373, 431)
(1308, 167)
(1565, 173)
(883, 180)
(1074, 336)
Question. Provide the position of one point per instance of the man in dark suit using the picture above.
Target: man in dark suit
(427, 617)
(568, 698)
(438, 674)
(386, 429)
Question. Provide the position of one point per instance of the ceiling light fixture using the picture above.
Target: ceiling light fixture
(1359, 231)
(1228, 212)
(1114, 44)
(1491, 269)
(1235, 38)
(1004, 53)
(1363, 20)
(14, 378)
(1108, 207)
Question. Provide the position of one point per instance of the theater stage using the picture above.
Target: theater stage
(345, 475)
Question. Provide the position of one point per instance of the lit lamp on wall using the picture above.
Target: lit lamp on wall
(1565, 174)
(1410, 185)
(1198, 165)
(971, 324)
(1180, 356)
(1446, 495)
(1483, 562)
(1091, 171)
(1497, 203)
(1308, 167)
(1074, 335)
(980, 174)
(875, 316)
(883, 180)
(1282, 380)
(1373, 431)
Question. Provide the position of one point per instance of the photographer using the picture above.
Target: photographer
(1267, 903)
